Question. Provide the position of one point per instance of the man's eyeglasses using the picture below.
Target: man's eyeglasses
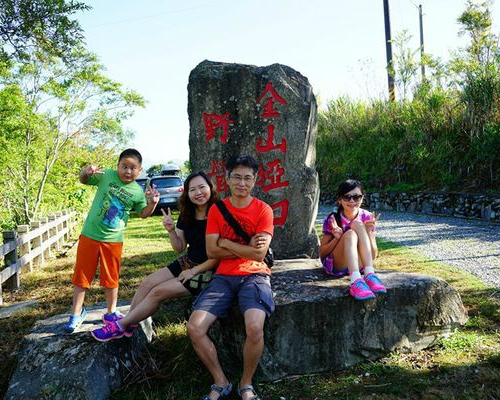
(237, 178)
(355, 197)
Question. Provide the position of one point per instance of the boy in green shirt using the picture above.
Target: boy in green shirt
(101, 239)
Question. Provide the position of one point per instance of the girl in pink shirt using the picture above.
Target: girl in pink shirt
(349, 242)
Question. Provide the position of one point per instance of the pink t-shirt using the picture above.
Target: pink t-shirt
(345, 224)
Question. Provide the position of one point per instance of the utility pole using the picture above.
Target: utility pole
(388, 50)
(422, 66)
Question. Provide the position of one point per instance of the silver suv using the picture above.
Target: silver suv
(170, 188)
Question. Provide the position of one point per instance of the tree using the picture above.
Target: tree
(41, 24)
(186, 168)
(54, 96)
(154, 170)
(405, 66)
(68, 102)
(476, 69)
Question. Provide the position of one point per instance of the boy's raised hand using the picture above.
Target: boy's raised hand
(153, 195)
(370, 224)
(168, 222)
(92, 170)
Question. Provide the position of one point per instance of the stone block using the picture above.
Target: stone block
(53, 364)
(427, 207)
(269, 113)
(8, 311)
(318, 326)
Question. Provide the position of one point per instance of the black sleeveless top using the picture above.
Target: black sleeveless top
(195, 239)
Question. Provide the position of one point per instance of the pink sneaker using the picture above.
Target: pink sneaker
(108, 332)
(116, 316)
(375, 283)
(113, 317)
(360, 290)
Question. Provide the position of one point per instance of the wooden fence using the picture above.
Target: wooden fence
(31, 245)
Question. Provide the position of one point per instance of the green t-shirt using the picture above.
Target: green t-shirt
(110, 209)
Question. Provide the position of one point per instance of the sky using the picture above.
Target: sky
(151, 46)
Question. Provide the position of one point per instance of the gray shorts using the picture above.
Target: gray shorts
(252, 291)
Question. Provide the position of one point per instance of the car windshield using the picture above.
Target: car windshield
(141, 182)
(162, 183)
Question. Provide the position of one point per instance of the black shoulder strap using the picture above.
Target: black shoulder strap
(231, 221)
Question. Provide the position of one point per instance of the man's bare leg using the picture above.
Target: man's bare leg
(198, 326)
(254, 345)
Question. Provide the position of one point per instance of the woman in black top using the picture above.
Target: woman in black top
(173, 280)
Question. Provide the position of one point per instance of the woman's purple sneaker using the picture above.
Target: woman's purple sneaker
(109, 331)
(113, 317)
(117, 316)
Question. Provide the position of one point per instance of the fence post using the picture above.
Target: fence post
(66, 225)
(45, 237)
(11, 258)
(53, 233)
(59, 228)
(71, 221)
(38, 242)
(25, 248)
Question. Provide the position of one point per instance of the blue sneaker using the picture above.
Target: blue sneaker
(75, 321)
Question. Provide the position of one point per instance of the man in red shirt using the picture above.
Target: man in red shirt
(241, 274)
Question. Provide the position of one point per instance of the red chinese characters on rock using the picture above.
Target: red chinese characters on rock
(283, 206)
(219, 171)
(216, 121)
(260, 148)
(270, 176)
(268, 108)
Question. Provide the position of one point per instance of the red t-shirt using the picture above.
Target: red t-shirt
(255, 218)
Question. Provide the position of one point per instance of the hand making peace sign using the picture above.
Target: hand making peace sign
(336, 230)
(168, 222)
(370, 224)
(152, 194)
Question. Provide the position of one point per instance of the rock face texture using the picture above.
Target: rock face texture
(55, 365)
(270, 114)
(318, 326)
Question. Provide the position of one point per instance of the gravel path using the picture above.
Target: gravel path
(470, 245)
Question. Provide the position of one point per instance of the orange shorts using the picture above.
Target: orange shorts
(91, 252)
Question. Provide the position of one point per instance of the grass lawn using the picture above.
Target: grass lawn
(464, 366)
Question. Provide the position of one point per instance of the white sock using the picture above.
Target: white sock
(355, 275)
(369, 270)
(119, 325)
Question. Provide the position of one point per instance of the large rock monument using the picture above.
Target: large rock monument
(318, 326)
(269, 113)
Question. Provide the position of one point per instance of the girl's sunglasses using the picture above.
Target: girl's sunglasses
(355, 197)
